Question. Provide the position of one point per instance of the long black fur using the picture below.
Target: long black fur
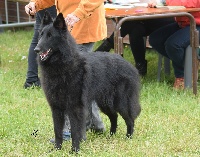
(71, 80)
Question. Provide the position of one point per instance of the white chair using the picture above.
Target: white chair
(166, 66)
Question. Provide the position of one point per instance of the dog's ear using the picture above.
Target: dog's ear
(47, 18)
(60, 22)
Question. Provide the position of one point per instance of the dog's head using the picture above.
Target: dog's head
(51, 35)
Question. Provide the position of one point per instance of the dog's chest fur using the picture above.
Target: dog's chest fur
(62, 81)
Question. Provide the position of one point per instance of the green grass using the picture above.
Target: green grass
(169, 124)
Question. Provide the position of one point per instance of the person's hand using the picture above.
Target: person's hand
(71, 19)
(152, 4)
(30, 9)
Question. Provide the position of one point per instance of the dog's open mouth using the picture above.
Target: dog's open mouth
(45, 55)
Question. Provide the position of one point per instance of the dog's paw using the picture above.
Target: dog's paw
(129, 136)
(74, 150)
(58, 147)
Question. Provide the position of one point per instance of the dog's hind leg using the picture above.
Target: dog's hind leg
(130, 128)
(131, 111)
(58, 120)
(127, 115)
(125, 107)
(113, 119)
(128, 118)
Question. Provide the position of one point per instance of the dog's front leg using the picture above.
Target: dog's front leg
(58, 119)
(78, 127)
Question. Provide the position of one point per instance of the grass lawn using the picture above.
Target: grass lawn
(169, 124)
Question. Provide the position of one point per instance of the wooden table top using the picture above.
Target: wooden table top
(138, 11)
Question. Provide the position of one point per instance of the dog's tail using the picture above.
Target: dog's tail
(134, 87)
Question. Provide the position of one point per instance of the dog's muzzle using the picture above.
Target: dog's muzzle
(37, 50)
(43, 55)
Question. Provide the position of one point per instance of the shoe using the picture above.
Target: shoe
(106, 46)
(98, 131)
(179, 83)
(32, 84)
(66, 137)
(142, 68)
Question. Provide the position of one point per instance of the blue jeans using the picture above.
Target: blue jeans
(32, 72)
(171, 41)
(86, 47)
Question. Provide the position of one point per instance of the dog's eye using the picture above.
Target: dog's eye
(49, 35)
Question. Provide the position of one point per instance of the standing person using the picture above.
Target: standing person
(137, 30)
(87, 24)
(173, 39)
(32, 79)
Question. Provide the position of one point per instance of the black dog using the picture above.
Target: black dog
(71, 80)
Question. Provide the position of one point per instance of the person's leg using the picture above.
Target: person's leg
(138, 46)
(141, 29)
(32, 78)
(173, 44)
(96, 121)
(32, 73)
(175, 47)
(158, 38)
(156, 24)
(108, 43)
(136, 31)
(86, 47)
(66, 129)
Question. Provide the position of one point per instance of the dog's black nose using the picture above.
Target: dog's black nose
(37, 49)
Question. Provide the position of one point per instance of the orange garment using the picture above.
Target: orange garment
(184, 21)
(92, 26)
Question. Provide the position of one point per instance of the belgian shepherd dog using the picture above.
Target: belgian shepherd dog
(71, 80)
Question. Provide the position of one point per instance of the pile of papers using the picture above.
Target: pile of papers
(120, 4)
(117, 6)
(170, 7)
(125, 1)
(126, 4)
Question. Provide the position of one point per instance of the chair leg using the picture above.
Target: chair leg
(188, 67)
(159, 66)
(167, 65)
